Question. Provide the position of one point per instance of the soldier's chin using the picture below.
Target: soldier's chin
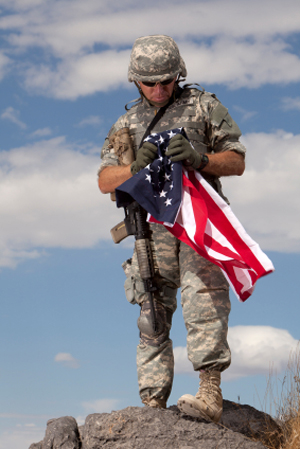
(160, 103)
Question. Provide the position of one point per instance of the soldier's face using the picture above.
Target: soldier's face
(158, 95)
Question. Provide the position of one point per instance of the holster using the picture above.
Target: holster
(121, 144)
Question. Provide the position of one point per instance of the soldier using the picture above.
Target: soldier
(157, 68)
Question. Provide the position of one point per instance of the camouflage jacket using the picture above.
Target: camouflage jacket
(205, 120)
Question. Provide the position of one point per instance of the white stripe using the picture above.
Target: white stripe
(242, 275)
(216, 235)
(187, 214)
(226, 210)
(218, 256)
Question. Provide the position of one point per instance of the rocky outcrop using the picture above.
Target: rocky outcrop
(241, 427)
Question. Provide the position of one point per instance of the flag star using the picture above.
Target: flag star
(149, 167)
(147, 138)
(148, 178)
(171, 134)
(168, 202)
(161, 139)
(162, 194)
(172, 167)
(171, 186)
(167, 177)
(160, 158)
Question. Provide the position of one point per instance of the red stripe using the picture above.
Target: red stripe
(222, 223)
(207, 240)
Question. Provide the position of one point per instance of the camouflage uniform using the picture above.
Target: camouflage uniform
(204, 290)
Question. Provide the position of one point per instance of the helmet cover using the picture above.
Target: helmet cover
(155, 58)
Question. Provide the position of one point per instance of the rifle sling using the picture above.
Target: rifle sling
(160, 114)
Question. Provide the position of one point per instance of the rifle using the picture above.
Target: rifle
(135, 223)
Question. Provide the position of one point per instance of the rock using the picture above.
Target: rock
(36, 445)
(144, 428)
(251, 423)
(62, 433)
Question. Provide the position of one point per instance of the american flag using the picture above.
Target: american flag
(186, 204)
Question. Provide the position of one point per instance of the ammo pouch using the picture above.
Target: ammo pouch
(134, 288)
(129, 284)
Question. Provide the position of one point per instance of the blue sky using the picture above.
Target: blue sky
(68, 335)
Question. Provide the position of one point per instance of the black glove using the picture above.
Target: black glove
(145, 155)
(181, 150)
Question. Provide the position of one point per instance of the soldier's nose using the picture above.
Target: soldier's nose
(160, 88)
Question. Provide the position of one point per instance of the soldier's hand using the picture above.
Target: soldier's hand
(181, 150)
(145, 155)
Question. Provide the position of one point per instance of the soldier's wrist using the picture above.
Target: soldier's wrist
(204, 162)
(134, 168)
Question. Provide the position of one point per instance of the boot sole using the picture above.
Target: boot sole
(187, 407)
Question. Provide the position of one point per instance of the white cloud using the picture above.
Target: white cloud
(100, 405)
(69, 27)
(82, 75)
(42, 132)
(67, 360)
(20, 4)
(4, 64)
(225, 61)
(265, 198)
(12, 115)
(258, 350)
(255, 350)
(49, 198)
(92, 120)
(182, 363)
(21, 430)
(241, 63)
(249, 48)
(289, 104)
(10, 256)
(245, 114)
(20, 437)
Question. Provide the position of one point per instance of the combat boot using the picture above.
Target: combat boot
(208, 402)
(155, 402)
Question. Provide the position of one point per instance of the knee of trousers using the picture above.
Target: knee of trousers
(205, 299)
(163, 321)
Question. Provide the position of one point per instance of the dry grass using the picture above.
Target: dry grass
(287, 404)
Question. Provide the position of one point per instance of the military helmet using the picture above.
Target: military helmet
(155, 58)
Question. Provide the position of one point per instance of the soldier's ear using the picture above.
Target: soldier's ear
(138, 85)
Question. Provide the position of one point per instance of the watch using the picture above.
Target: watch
(204, 162)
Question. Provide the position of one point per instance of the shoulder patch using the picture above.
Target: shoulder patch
(219, 114)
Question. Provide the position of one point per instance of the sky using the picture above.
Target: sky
(68, 335)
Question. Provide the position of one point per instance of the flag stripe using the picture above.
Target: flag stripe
(221, 215)
(187, 205)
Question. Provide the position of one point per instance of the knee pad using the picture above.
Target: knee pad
(163, 321)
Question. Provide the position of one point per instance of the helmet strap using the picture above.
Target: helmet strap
(139, 89)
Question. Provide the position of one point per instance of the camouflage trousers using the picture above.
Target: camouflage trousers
(205, 306)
